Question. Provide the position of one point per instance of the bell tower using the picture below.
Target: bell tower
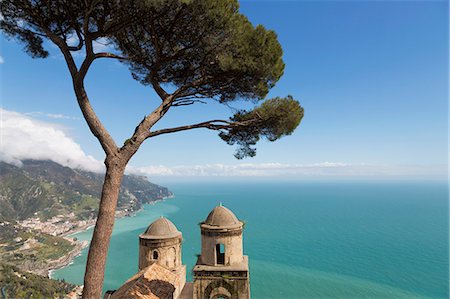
(221, 270)
(161, 244)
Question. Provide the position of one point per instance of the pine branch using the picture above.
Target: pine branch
(216, 125)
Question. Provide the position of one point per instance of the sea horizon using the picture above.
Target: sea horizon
(307, 239)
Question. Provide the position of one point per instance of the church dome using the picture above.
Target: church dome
(222, 217)
(161, 228)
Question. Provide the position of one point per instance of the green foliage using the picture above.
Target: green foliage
(44, 248)
(21, 195)
(194, 48)
(24, 20)
(205, 47)
(49, 189)
(32, 21)
(272, 120)
(18, 284)
(33, 43)
(87, 202)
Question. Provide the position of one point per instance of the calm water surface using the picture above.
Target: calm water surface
(308, 240)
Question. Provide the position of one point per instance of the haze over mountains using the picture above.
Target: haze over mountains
(45, 189)
(36, 136)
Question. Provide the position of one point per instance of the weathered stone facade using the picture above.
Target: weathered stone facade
(165, 252)
(227, 282)
(161, 244)
(221, 270)
(232, 244)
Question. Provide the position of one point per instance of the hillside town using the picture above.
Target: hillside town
(57, 225)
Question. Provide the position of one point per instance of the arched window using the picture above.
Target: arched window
(220, 254)
(155, 254)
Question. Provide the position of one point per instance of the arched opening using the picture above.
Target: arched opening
(155, 255)
(220, 254)
(220, 289)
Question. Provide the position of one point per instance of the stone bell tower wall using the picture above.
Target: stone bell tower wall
(164, 252)
(230, 282)
(232, 243)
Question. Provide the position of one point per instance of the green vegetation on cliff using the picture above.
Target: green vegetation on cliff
(47, 189)
(30, 250)
(62, 197)
(15, 283)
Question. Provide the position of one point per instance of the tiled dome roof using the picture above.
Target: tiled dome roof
(161, 228)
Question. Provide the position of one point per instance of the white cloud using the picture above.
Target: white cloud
(50, 115)
(2, 61)
(23, 137)
(323, 169)
(243, 169)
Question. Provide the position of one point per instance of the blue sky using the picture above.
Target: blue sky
(371, 75)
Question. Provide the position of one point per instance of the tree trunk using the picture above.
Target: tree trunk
(98, 249)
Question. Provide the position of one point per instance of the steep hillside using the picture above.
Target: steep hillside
(16, 283)
(45, 189)
(32, 250)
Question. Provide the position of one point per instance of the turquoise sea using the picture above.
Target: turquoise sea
(309, 239)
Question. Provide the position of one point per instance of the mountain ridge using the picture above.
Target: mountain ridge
(43, 188)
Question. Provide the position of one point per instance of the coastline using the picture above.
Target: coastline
(80, 245)
(79, 229)
(63, 261)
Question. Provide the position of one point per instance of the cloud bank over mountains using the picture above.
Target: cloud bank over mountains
(23, 137)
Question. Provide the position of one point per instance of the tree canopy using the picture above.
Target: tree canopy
(188, 51)
(203, 50)
(275, 118)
